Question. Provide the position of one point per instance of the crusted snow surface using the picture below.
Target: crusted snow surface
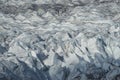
(59, 40)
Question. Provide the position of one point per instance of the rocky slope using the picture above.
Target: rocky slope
(59, 40)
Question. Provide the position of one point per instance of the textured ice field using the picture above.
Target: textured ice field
(59, 39)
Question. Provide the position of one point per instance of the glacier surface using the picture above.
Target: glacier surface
(59, 39)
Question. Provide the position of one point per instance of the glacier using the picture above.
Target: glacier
(59, 39)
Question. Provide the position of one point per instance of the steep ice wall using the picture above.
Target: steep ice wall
(59, 40)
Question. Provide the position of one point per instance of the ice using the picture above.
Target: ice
(59, 40)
